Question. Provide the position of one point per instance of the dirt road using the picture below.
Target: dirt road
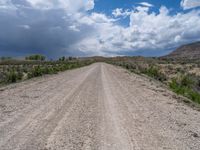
(98, 107)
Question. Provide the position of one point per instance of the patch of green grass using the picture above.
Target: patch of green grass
(183, 87)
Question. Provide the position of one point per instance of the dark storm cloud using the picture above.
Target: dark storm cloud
(27, 30)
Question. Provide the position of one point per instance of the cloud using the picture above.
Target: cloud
(62, 27)
(146, 4)
(148, 31)
(35, 26)
(67, 5)
(188, 4)
(119, 12)
(90, 5)
(27, 27)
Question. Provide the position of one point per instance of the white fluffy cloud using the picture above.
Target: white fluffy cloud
(147, 31)
(163, 30)
(146, 4)
(119, 12)
(67, 5)
(187, 4)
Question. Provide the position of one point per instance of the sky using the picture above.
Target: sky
(97, 27)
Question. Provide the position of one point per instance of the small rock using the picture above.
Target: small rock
(194, 134)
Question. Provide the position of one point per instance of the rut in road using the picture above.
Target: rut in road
(98, 107)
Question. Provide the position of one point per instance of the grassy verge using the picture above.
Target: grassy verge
(186, 85)
(14, 72)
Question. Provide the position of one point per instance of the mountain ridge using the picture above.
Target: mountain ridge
(187, 51)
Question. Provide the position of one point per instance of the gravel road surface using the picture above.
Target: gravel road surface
(98, 107)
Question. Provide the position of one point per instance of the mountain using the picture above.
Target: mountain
(189, 51)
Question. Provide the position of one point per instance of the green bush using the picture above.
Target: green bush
(11, 76)
(62, 58)
(183, 87)
(198, 83)
(155, 73)
(35, 72)
(195, 96)
(176, 87)
(20, 75)
(186, 81)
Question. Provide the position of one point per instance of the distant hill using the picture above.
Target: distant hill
(189, 51)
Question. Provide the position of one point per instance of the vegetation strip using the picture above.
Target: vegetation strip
(179, 79)
(12, 71)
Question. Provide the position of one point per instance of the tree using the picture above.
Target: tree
(37, 57)
(5, 58)
(62, 58)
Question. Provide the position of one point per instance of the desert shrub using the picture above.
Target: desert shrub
(11, 76)
(71, 66)
(198, 83)
(176, 86)
(186, 81)
(183, 86)
(182, 81)
(2, 77)
(56, 69)
(35, 72)
(155, 73)
(128, 66)
(49, 70)
(195, 96)
(179, 69)
(25, 68)
(64, 67)
(20, 75)
(170, 67)
(45, 70)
